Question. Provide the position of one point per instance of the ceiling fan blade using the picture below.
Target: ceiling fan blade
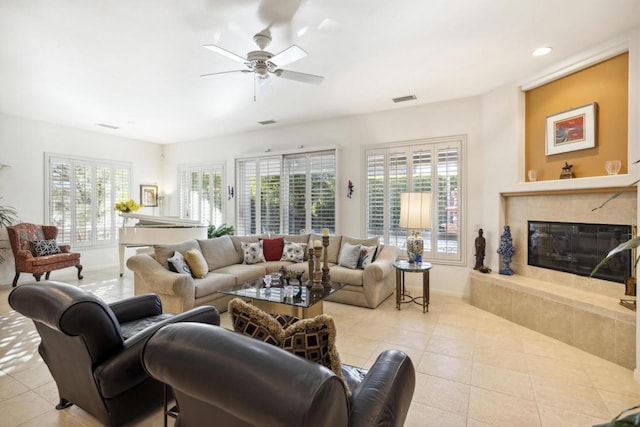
(300, 77)
(224, 52)
(287, 56)
(225, 72)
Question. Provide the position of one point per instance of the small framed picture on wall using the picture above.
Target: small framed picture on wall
(149, 195)
(571, 130)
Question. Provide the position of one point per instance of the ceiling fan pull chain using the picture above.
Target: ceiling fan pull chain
(254, 87)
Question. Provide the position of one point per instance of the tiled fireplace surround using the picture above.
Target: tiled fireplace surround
(577, 310)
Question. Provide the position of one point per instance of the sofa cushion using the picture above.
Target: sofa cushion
(196, 262)
(46, 247)
(272, 248)
(213, 283)
(243, 272)
(293, 251)
(164, 252)
(347, 275)
(255, 323)
(177, 264)
(298, 238)
(349, 255)
(313, 339)
(333, 250)
(253, 252)
(219, 252)
(237, 244)
(367, 255)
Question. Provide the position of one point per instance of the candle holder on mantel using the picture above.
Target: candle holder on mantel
(311, 265)
(326, 277)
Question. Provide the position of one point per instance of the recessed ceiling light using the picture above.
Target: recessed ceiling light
(541, 51)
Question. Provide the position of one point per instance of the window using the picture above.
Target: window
(201, 193)
(82, 194)
(422, 166)
(286, 194)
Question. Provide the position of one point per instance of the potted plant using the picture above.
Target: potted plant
(212, 231)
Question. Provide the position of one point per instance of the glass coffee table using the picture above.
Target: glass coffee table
(305, 302)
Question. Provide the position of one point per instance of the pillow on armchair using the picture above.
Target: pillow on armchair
(313, 339)
(45, 247)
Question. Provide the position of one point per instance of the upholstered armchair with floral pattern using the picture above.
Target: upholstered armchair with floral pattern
(35, 251)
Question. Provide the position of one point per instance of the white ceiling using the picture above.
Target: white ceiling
(136, 63)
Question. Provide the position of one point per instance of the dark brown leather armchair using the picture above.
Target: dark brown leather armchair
(93, 350)
(222, 377)
(20, 238)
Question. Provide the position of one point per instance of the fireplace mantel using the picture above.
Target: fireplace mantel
(589, 185)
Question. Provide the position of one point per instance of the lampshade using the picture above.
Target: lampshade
(415, 210)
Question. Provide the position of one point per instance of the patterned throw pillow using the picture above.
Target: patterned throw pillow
(314, 339)
(253, 252)
(177, 264)
(255, 323)
(293, 251)
(349, 255)
(45, 247)
(196, 262)
(367, 255)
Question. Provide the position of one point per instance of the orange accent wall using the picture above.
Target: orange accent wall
(606, 84)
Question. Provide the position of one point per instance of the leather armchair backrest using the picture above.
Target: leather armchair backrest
(71, 311)
(217, 374)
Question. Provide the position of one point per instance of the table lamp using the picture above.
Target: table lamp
(415, 215)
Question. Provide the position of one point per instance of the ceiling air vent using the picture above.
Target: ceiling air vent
(104, 125)
(267, 122)
(404, 98)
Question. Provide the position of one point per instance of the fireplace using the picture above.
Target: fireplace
(578, 247)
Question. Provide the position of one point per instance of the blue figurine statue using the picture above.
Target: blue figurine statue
(507, 251)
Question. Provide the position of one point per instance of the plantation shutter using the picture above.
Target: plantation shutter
(375, 195)
(246, 179)
(82, 194)
(294, 197)
(270, 172)
(201, 193)
(421, 167)
(323, 190)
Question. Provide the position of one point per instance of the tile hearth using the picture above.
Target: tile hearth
(473, 368)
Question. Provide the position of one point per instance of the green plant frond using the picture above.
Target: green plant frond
(628, 245)
(616, 194)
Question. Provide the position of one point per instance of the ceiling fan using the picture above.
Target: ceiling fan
(264, 63)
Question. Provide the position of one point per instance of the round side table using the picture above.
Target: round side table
(416, 267)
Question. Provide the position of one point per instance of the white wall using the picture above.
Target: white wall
(351, 134)
(22, 146)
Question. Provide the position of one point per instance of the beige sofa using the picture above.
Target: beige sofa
(366, 287)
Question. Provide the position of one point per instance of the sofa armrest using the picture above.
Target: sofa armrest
(385, 392)
(137, 307)
(159, 279)
(382, 266)
(124, 370)
(65, 249)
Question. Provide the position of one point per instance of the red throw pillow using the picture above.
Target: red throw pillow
(272, 248)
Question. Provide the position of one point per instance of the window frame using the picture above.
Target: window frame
(308, 157)
(93, 164)
(410, 148)
(185, 196)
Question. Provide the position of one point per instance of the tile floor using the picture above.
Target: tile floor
(472, 368)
